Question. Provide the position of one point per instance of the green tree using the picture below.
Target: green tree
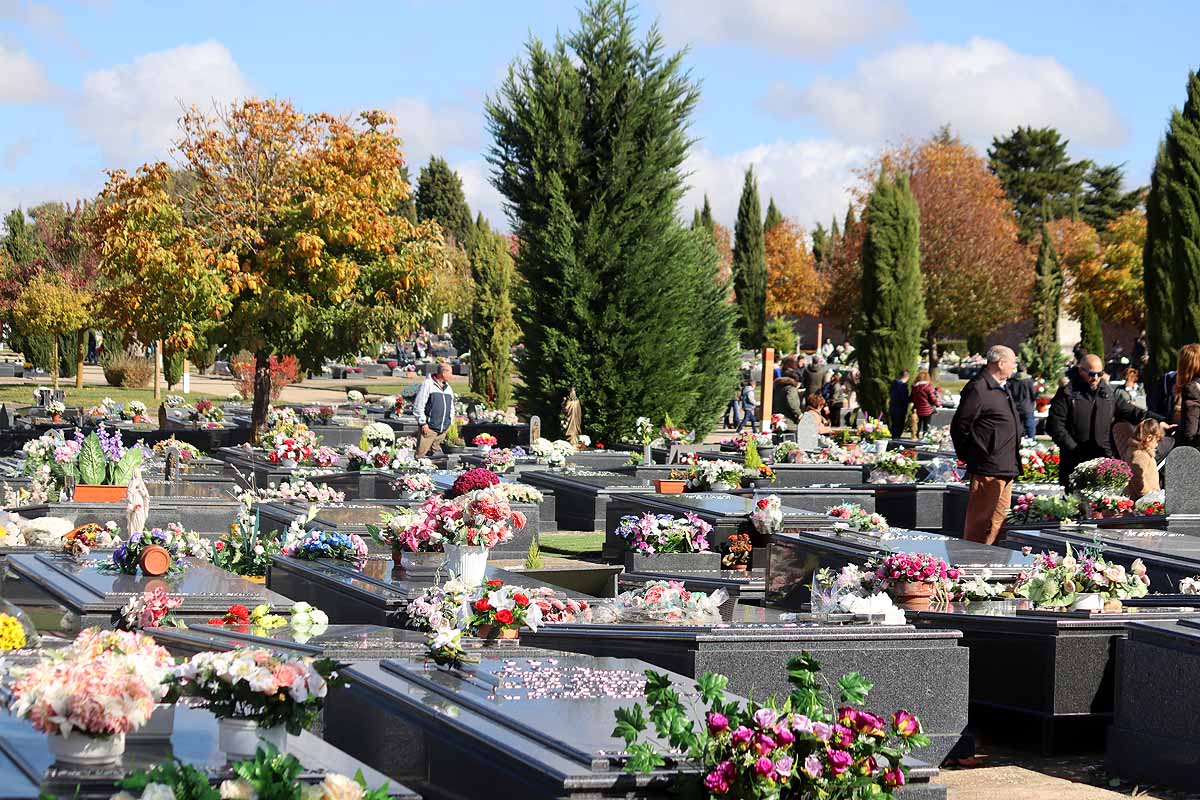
(406, 208)
(1158, 282)
(888, 335)
(704, 218)
(1039, 178)
(440, 197)
(750, 264)
(781, 336)
(590, 135)
(820, 240)
(1103, 199)
(490, 327)
(21, 241)
(50, 306)
(1047, 298)
(1091, 333)
(773, 217)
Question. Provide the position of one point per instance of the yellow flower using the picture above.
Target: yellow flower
(12, 635)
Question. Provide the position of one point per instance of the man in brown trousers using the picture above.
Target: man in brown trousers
(987, 438)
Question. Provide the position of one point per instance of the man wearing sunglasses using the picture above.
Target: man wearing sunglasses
(1082, 414)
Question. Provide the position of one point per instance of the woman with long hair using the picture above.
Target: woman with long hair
(924, 402)
(1187, 396)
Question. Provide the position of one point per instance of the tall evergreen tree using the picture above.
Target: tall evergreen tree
(440, 197)
(1039, 178)
(1091, 334)
(20, 241)
(590, 135)
(491, 329)
(1104, 199)
(888, 336)
(819, 243)
(750, 264)
(1183, 201)
(407, 207)
(851, 220)
(1047, 298)
(1158, 282)
(707, 219)
(773, 217)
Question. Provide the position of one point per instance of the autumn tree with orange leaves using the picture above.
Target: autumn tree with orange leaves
(793, 286)
(283, 226)
(1103, 266)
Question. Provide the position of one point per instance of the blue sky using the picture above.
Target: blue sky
(806, 90)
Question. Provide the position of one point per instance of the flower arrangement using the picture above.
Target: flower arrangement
(473, 480)
(485, 440)
(789, 452)
(853, 456)
(187, 452)
(174, 539)
(762, 472)
(767, 516)
(739, 442)
(914, 568)
(417, 485)
(499, 461)
(134, 410)
(282, 420)
(1110, 505)
(375, 434)
(258, 685)
(486, 520)
(302, 490)
(559, 610)
(503, 609)
(316, 544)
(1101, 476)
(554, 453)
(1031, 509)
(354, 396)
(244, 550)
(317, 415)
(150, 660)
(663, 602)
(495, 416)
(709, 475)
(895, 466)
(737, 551)
(208, 411)
(1189, 586)
(96, 459)
(1039, 465)
(853, 590)
(56, 408)
(98, 697)
(418, 530)
(643, 431)
(664, 533)
(672, 434)
(82, 540)
(438, 607)
(855, 518)
(806, 746)
(1152, 503)
(152, 610)
(298, 445)
(12, 633)
(873, 429)
(1058, 582)
(520, 493)
(174, 401)
(779, 423)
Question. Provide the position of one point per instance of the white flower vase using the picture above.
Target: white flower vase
(721, 486)
(289, 463)
(239, 738)
(485, 448)
(467, 562)
(160, 725)
(83, 750)
(881, 446)
(1088, 601)
(647, 456)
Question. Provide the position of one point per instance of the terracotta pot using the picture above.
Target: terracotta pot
(89, 493)
(487, 631)
(669, 486)
(256, 578)
(56, 417)
(911, 595)
(155, 560)
(741, 567)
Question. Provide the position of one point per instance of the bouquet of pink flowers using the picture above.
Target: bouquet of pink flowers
(499, 460)
(101, 696)
(297, 445)
(856, 519)
(662, 602)
(1111, 505)
(559, 610)
(1101, 476)
(767, 516)
(420, 530)
(417, 484)
(664, 533)
(148, 611)
(486, 519)
(152, 661)
(915, 568)
(485, 440)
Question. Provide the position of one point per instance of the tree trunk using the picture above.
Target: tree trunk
(80, 352)
(54, 362)
(933, 358)
(262, 393)
(157, 369)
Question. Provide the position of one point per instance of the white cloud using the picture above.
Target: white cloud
(43, 19)
(131, 110)
(428, 129)
(809, 179)
(22, 79)
(481, 195)
(28, 195)
(982, 89)
(16, 152)
(812, 29)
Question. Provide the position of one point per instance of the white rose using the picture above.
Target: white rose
(339, 787)
(237, 790)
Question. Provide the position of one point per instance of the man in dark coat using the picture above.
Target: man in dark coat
(986, 430)
(898, 404)
(1082, 414)
(1025, 397)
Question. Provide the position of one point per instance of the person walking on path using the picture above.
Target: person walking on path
(1082, 415)
(925, 402)
(434, 408)
(747, 402)
(898, 404)
(986, 431)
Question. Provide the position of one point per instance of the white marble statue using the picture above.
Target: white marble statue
(137, 508)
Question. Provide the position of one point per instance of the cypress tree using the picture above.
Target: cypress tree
(590, 134)
(1158, 284)
(490, 327)
(1091, 333)
(888, 335)
(773, 217)
(20, 241)
(407, 207)
(1047, 295)
(1104, 200)
(851, 220)
(819, 243)
(440, 197)
(750, 264)
(706, 218)
(1183, 201)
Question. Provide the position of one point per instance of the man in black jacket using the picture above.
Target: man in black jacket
(898, 397)
(986, 430)
(1025, 397)
(1082, 414)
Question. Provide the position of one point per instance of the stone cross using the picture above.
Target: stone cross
(535, 429)
(1183, 481)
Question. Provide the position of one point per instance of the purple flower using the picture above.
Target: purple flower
(765, 717)
(812, 767)
(784, 735)
(822, 730)
(765, 768)
(801, 723)
(839, 761)
(764, 744)
(717, 722)
(843, 737)
(893, 778)
(783, 767)
(742, 735)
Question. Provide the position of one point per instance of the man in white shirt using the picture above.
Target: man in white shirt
(434, 408)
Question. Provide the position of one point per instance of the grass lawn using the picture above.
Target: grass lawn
(22, 394)
(572, 545)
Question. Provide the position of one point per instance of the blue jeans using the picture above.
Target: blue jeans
(747, 418)
(1030, 424)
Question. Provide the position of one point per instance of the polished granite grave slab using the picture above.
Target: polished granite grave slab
(197, 505)
(506, 435)
(254, 468)
(376, 594)
(547, 511)
(1154, 738)
(89, 595)
(582, 496)
(787, 475)
(209, 440)
(938, 507)
(1169, 556)
(1051, 673)
(923, 671)
(529, 728)
(727, 513)
(27, 770)
(795, 555)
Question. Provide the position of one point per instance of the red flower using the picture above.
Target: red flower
(520, 600)
(504, 616)
(216, 621)
(598, 445)
(220, 545)
(482, 604)
(495, 583)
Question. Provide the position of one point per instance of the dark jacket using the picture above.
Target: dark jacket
(785, 397)
(898, 398)
(986, 429)
(1188, 432)
(1081, 420)
(924, 399)
(1023, 395)
(814, 379)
